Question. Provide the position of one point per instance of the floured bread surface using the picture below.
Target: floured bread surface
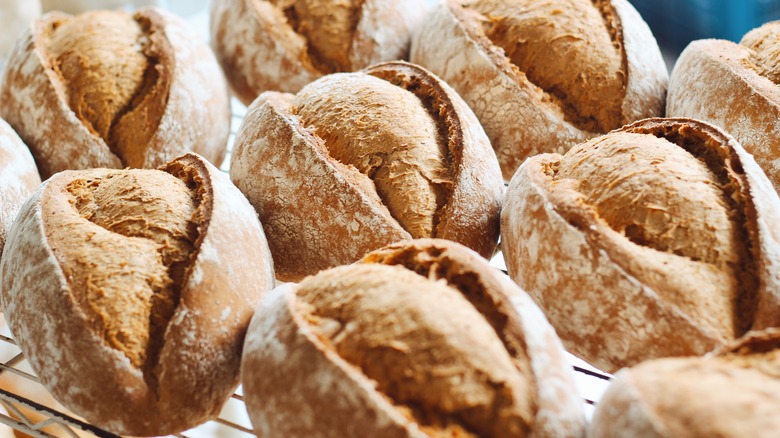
(677, 215)
(731, 394)
(428, 348)
(657, 194)
(124, 248)
(328, 27)
(108, 67)
(764, 43)
(98, 55)
(18, 178)
(758, 351)
(573, 50)
(387, 134)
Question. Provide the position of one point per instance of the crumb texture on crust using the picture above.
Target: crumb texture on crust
(392, 149)
(162, 249)
(181, 103)
(757, 350)
(282, 45)
(658, 245)
(125, 248)
(114, 71)
(675, 212)
(732, 86)
(573, 50)
(273, 163)
(732, 394)
(387, 134)
(764, 43)
(655, 193)
(328, 27)
(543, 76)
(443, 365)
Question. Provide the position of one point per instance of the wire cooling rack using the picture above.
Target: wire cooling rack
(26, 408)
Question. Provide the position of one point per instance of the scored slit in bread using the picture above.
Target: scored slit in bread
(654, 240)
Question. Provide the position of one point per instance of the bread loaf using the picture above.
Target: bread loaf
(282, 45)
(658, 239)
(356, 161)
(130, 292)
(542, 76)
(734, 86)
(732, 393)
(109, 89)
(420, 339)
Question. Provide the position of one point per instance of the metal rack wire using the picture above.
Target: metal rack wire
(27, 407)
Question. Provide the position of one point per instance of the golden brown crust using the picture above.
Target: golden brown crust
(532, 106)
(277, 154)
(616, 271)
(583, 74)
(730, 394)
(56, 325)
(104, 224)
(282, 45)
(176, 100)
(720, 82)
(365, 123)
(348, 371)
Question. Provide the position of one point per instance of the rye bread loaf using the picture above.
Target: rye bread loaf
(130, 292)
(734, 86)
(282, 45)
(356, 161)
(541, 75)
(110, 89)
(419, 339)
(731, 393)
(659, 239)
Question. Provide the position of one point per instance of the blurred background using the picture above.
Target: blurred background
(675, 23)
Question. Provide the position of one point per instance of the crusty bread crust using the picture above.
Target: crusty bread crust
(286, 365)
(582, 278)
(313, 207)
(196, 115)
(711, 82)
(520, 119)
(260, 51)
(731, 393)
(199, 360)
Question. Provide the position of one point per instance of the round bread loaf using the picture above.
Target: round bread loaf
(420, 339)
(658, 239)
(18, 177)
(734, 86)
(732, 393)
(282, 45)
(130, 292)
(541, 75)
(109, 89)
(356, 161)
